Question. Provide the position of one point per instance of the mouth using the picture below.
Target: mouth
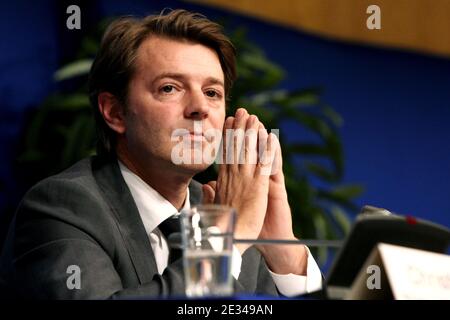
(192, 136)
(195, 136)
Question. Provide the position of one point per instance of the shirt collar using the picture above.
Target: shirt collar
(152, 206)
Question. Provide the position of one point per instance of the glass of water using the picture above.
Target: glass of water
(207, 234)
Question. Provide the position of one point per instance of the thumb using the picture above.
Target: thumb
(209, 192)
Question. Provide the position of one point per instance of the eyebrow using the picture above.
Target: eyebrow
(180, 76)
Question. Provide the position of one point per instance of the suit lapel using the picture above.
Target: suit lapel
(109, 178)
(115, 190)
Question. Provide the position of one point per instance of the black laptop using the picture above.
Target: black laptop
(375, 225)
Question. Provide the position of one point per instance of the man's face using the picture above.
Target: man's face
(175, 83)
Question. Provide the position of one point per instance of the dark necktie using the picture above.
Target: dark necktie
(169, 226)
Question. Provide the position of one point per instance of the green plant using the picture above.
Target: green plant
(320, 203)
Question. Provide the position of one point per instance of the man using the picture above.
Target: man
(101, 217)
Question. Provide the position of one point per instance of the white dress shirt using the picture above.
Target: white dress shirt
(154, 209)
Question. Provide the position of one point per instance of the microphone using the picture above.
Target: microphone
(174, 240)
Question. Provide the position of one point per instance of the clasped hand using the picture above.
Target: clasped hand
(251, 180)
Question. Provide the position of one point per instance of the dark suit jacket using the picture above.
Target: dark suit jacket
(86, 217)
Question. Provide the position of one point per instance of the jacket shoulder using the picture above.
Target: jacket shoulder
(73, 193)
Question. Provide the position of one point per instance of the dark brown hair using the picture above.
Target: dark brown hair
(114, 64)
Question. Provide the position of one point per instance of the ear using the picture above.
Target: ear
(112, 111)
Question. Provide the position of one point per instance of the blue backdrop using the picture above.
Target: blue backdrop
(395, 104)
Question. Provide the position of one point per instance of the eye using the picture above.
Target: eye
(167, 89)
(212, 94)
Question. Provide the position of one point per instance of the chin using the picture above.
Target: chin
(194, 168)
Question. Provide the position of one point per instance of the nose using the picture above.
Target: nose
(197, 107)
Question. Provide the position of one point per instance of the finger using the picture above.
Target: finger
(213, 185)
(240, 124)
(277, 166)
(267, 158)
(226, 142)
(271, 152)
(262, 145)
(262, 139)
(208, 194)
(277, 162)
(251, 142)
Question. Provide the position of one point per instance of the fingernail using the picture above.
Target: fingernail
(229, 121)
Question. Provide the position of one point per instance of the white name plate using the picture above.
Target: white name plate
(403, 273)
